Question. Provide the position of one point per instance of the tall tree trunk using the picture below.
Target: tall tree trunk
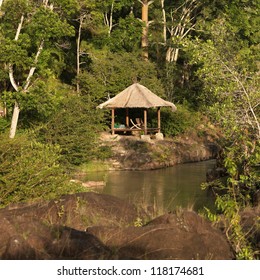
(164, 21)
(81, 19)
(144, 42)
(111, 18)
(16, 110)
(146, 23)
(179, 32)
(15, 118)
(108, 18)
(1, 3)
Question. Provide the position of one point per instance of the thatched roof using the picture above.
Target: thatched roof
(136, 96)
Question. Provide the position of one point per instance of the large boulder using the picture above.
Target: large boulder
(79, 211)
(29, 239)
(96, 226)
(56, 229)
(185, 235)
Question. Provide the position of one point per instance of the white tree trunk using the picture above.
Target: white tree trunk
(164, 22)
(16, 110)
(180, 31)
(108, 18)
(19, 28)
(14, 122)
(111, 19)
(32, 70)
(78, 51)
(1, 3)
(11, 77)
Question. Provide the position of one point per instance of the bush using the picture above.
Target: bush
(4, 124)
(175, 123)
(29, 170)
(75, 128)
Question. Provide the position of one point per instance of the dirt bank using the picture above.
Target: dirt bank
(132, 153)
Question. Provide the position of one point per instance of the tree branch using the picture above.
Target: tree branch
(32, 70)
(11, 68)
(246, 95)
(11, 77)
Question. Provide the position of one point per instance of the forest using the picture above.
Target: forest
(59, 59)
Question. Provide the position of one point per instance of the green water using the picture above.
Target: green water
(169, 188)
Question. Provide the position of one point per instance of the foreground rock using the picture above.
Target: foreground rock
(79, 211)
(172, 236)
(95, 226)
(22, 239)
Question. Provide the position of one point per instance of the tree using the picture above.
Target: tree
(32, 28)
(86, 10)
(109, 9)
(146, 23)
(229, 73)
(109, 73)
(182, 22)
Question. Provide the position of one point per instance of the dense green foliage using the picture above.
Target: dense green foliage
(75, 130)
(30, 170)
(176, 123)
(109, 73)
(60, 58)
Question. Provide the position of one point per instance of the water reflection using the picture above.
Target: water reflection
(177, 186)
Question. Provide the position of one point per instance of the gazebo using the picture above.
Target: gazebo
(136, 96)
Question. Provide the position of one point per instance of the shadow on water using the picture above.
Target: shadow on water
(169, 188)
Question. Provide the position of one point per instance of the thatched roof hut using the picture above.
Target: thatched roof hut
(136, 96)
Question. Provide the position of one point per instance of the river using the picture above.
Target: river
(163, 189)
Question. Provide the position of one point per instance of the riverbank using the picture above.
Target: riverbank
(133, 153)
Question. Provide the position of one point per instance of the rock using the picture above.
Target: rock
(23, 239)
(79, 210)
(159, 136)
(145, 138)
(56, 229)
(216, 173)
(250, 223)
(95, 226)
(171, 236)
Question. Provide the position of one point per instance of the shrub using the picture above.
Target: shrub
(29, 170)
(175, 123)
(75, 129)
(4, 124)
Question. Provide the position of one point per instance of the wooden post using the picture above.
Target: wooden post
(145, 121)
(159, 119)
(127, 117)
(113, 121)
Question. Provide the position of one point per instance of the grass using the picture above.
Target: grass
(93, 166)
